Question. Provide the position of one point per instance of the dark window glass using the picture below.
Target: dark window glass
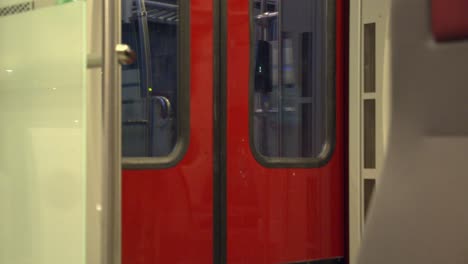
(150, 86)
(293, 80)
(369, 134)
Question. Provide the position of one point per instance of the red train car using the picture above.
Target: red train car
(234, 132)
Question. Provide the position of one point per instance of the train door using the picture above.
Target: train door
(229, 157)
(167, 128)
(285, 103)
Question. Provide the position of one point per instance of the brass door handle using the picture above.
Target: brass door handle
(125, 54)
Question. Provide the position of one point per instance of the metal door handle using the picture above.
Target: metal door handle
(166, 107)
(125, 54)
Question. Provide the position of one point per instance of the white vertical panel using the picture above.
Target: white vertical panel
(354, 140)
(43, 136)
(362, 12)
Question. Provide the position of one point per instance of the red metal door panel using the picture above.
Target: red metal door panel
(168, 213)
(279, 215)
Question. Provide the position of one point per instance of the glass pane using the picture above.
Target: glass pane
(291, 78)
(150, 87)
(369, 58)
(42, 137)
(369, 134)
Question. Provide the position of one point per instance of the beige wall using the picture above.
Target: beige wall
(361, 13)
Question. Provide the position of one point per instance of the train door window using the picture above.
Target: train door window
(155, 88)
(292, 115)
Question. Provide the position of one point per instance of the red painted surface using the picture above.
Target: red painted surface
(274, 215)
(450, 19)
(168, 213)
(279, 215)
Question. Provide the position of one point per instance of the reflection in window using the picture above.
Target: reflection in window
(150, 86)
(292, 85)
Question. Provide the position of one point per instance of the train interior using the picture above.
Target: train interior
(149, 94)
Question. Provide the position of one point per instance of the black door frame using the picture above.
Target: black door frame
(220, 132)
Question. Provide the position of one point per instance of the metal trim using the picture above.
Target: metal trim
(93, 61)
(183, 109)
(111, 135)
(327, 153)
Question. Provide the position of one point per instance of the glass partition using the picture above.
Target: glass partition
(43, 132)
